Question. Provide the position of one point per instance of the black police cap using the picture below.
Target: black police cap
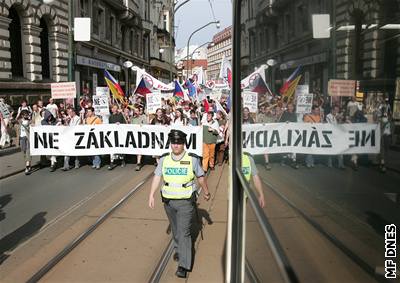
(177, 136)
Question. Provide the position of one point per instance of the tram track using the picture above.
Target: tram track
(80, 238)
(341, 246)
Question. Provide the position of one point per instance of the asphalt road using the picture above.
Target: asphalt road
(32, 203)
(353, 206)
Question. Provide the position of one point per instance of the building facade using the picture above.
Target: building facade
(34, 44)
(222, 47)
(361, 47)
(33, 48)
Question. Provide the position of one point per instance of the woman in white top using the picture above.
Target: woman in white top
(179, 119)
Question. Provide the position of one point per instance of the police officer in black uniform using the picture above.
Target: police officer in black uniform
(179, 170)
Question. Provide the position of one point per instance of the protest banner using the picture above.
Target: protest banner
(304, 99)
(250, 100)
(87, 140)
(102, 90)
(311, 138)
(341, 87)
(4, 110)
(153, 102)
(100, 105)
(63, 90)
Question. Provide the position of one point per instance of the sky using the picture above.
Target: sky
(197, 13)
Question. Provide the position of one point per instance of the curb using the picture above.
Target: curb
(9, 151)
(37, 165)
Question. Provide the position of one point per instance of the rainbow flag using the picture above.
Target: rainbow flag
(114, 86)
(291, 83)
(178, 91)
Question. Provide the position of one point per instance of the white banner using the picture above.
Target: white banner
(153, 102)
(152, 81)
(63, 90)
(310, 138)
(100, 105)
(87, 140)
(4, 110)
(250, 100)
(260, 72)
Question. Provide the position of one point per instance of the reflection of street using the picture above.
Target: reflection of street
(353, 206)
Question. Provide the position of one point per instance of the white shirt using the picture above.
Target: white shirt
(76, 120)
(331, 119)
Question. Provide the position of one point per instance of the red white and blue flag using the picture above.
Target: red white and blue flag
(143, 88)
(178, 91)
(290, 85)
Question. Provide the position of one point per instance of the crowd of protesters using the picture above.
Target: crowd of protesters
(212, 115)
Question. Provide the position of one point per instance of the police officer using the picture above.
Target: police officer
(178, 193)
(249, 170)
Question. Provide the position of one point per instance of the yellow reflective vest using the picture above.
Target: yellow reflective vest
(246, 167)
(178, 177)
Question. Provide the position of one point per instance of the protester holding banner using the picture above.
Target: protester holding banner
(159, 119)
(25, 120)
(334, 119)
(180, 119)
(36, 116)
(50, 120)
(289, 115)
(210, 133)
(314, 117)
(117, 118)
(92, 119)
(220, 146)
(74, 120)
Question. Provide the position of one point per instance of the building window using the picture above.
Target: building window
(101, 21)
(45, 50)
(131, 40)
(146, 9)
(144, 47)
(110, 29)
(165, 22)
(84, 8)
(137, 41)
(95, 26)
(123, 42)
(15, 44)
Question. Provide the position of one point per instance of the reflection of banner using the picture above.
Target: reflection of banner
(304, 99)
(250, 100)
(153, 102)
(259, 72)
(86, 140)
(323, 139)
(100, 105)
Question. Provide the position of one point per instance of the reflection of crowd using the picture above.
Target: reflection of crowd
(347, 110)
(212, 115)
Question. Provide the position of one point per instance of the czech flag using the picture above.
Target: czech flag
(114, 86)
(143, 88)
(289, 86)
(178, 91)
(260, 86)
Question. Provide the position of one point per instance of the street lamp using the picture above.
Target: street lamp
(190, 37)
(128, 65)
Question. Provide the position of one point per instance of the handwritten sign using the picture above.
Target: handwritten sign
(100, 104)
(63, 90)
(153, 102)
(250, 100)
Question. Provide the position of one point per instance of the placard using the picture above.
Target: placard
(102, 90)
(100, 105)
(4, 110)
(153, 102)
(63, 90)
(341, 87)
(304, 99)
(250, 100)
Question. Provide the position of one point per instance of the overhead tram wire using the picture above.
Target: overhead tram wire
(212, 10)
